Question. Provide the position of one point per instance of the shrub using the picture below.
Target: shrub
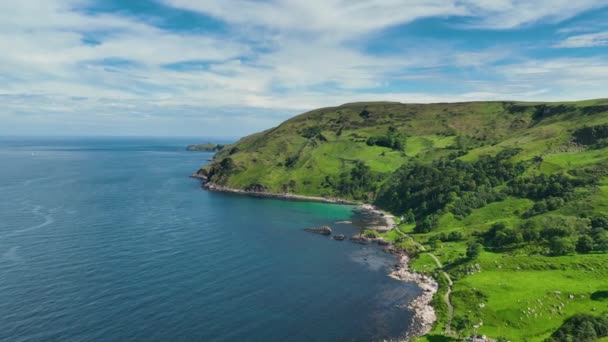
(561, 245)
(473, 249)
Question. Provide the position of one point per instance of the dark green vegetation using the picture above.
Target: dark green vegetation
(581, 328)
(511, 197)
(205, 147)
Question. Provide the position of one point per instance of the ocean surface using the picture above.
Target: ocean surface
(108, 239)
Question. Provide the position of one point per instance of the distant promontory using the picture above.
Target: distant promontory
(205, 147)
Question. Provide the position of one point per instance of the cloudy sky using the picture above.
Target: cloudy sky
(232, 67)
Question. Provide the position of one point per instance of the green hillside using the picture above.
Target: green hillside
(511, 197)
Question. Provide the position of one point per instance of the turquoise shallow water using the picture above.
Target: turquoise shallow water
(109, 240)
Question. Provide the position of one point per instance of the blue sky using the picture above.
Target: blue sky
(233, 67)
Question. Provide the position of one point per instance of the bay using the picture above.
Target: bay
(109, 239)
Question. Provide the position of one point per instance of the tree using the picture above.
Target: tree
(600, 221)
(473, 249)
(500, 235)
(602, 242)
(585, 332)
(227, 164)
(455, 236)
(429, 223)
(584, 244)
(409, 216)
(561, 245)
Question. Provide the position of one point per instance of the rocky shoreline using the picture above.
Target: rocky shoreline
(285, 196)
(424, 313)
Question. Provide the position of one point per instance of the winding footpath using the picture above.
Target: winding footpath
(446, 297)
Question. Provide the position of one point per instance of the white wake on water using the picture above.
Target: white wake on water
(37, 210)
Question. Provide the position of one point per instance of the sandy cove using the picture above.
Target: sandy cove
(424, 313)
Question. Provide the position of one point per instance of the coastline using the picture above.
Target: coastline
(285, 196)
(424, 313)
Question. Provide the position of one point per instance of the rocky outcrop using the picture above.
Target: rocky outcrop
(339, 237)
(360, 238)
(324, 230)
(201, 174)
(381, 242)
(255, 187)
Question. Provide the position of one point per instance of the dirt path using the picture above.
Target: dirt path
(446, 297)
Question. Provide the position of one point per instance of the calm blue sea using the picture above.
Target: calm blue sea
(109, 240)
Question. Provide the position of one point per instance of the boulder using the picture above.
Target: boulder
(360, 238)
(324, 230)
(339, 237)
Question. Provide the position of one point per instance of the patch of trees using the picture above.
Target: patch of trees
(544, 186)
(551, 192)
(560, 235)
(451, 236)
(545, 111)
(220, 171)
(581, 328)
(447, 185)
(358, 183)
(233, 150)
(500, 235)
(313, 132)
(291, 161)
(545, 205)
(593, 135)
(429, 223)
(392, 139)
(465, 143)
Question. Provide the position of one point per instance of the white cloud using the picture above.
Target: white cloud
(311, 57)
(563, 78)
(351, 17)
(333, 17)
(585, 40)
(507, 14)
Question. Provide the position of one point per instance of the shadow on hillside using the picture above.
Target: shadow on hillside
(599, 295)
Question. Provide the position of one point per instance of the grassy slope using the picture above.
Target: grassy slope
(516, 291)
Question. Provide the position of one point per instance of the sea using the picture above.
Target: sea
(108, 239)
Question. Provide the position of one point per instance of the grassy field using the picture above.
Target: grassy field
(520, 293)
(526, 298)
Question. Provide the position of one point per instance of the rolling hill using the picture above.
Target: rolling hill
(512, 197)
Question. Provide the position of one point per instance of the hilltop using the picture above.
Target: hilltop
(510, 197)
